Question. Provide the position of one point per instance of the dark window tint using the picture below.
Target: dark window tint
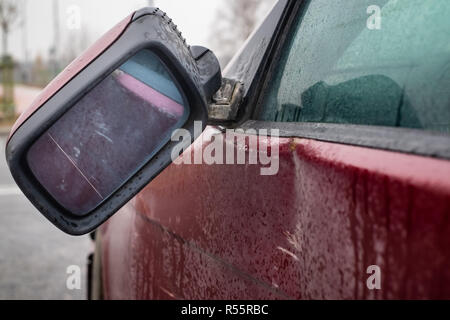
(335, 69)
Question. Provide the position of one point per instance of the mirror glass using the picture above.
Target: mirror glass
(109, 134)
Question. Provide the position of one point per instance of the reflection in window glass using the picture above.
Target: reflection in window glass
(337, 70)
(109, 134)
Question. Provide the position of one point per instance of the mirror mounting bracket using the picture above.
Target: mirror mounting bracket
(225, 103)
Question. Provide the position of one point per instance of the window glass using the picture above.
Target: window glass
(339, 67)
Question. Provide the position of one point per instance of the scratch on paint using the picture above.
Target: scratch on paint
(288, 253)
(104, 136)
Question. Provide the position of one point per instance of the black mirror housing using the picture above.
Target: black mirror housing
(195, 73)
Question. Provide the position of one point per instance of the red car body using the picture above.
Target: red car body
(309, 232)
(346, 197)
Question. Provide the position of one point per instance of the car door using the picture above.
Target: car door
(359, 206)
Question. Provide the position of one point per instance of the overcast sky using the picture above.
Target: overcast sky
(193, 17)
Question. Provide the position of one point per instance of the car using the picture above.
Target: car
(349, 99)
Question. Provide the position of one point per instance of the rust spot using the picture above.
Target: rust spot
(292, 145)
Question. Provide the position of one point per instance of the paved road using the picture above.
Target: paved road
(34, 255)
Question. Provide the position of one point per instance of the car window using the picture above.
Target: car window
(337, 68)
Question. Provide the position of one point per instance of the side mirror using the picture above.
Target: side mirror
(101, 130)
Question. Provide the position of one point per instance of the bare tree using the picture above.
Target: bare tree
(76, 42)
(234, 22)
(9, 14)
(24, 27)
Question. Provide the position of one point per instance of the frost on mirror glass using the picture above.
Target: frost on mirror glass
(109, 134)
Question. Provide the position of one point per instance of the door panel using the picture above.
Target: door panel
(143, 260)
(309, 232)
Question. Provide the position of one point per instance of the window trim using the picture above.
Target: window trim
(252, 62)
(404, 140)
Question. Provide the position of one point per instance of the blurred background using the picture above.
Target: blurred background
(38, 39)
